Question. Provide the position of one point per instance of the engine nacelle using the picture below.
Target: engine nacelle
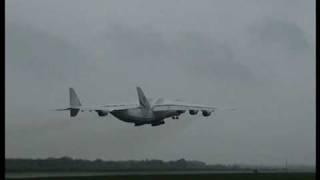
(193, 112)
(102, 113)
(206, 113)
(181, 111)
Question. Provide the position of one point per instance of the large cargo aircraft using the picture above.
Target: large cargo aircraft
(147, 111)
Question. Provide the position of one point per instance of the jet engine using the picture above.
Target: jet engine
(102, 113)
(193, 112)
(181, 111)
(206, 113)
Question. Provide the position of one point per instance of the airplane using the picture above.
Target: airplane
(147, 111)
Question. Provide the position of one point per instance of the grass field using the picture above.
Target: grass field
(262, 176)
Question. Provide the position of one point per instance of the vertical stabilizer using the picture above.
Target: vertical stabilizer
(74, 103)
(142, 99)
(74, 100)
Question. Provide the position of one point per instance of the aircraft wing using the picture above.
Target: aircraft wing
(182, 107)
(101, 110)
(76, 106)
(108, 108)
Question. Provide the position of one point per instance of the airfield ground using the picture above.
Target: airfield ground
(258, 176)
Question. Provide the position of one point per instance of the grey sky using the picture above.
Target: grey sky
(257, 56)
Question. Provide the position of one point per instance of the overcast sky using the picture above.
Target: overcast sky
(257, 56)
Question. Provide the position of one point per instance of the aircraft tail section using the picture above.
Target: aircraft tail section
(74, 112)
(74, 103)
(142, 99)
(74, 100)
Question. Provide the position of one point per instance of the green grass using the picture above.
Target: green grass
(262, 176)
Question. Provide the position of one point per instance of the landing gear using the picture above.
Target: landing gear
(175, 117)
(158, 123)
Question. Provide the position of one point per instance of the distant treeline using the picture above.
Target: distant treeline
(69, 164)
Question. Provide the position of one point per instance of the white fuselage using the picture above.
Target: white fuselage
(143, 116)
